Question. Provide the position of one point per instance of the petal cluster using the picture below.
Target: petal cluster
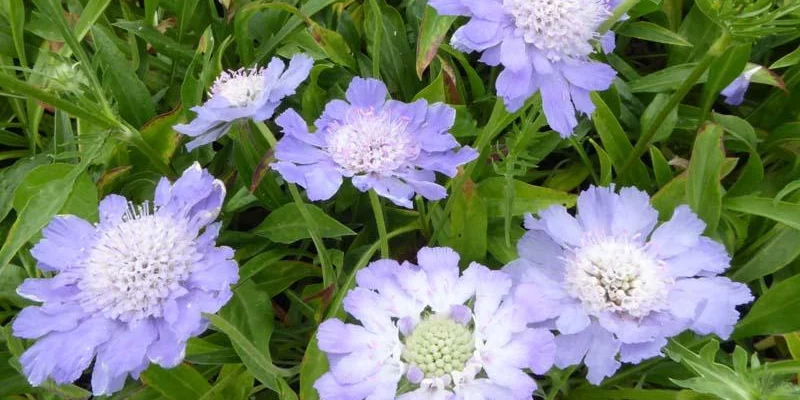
(615, 285)
(392, 147)
(427, 332)
(253, 94)
(735, 91)
(544, 46)
(129, 290)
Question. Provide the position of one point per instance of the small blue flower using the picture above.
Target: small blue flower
(451, 335)
(734, 93)
(389, 146)
(611, 283)
(544, 46)
(129, 290)
(253, 94)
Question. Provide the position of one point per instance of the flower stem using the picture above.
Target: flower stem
(380, 222)
(328, 275)
(616, 15)
(585, 158)
(717, 49)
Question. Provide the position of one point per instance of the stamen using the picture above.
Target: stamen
(135, 265)
(559, 28)
(372, 143)
(615, 274)
(241, 87)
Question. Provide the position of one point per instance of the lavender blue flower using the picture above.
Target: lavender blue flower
(427, 333)
(244, 93)
(392, 147)
(128, 290)
(543, 45)
(734, 93)
(612, 285)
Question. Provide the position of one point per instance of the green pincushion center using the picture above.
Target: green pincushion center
(439, 346)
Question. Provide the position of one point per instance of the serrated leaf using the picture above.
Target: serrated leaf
(286, 225)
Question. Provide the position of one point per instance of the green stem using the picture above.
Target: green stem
(328, 275)
(492, 129)
(559, 385)
(585, 158)
(380, 222)
(644, 141)
(645, 365)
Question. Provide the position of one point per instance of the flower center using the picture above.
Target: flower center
(617, 275)
(372, 143)
(559, 28)
(136, 265)
(439, 346)
(241, 87)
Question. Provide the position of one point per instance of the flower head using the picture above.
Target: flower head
(543, 45)
(392, 147)
(427, 333)
(128, 290)
(245, 93)
(734, 93)
(612, 285)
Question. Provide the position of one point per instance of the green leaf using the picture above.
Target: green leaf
(666, 127)
(434, 92)
(286, 225)
(12, 176)
(527, 198)
(779, 211)
(257, 362)
(135, 104)
(775, 312)
(334, 45)
(713, 378)
(781, 248)
(26, 89)
(468, 224)
(651, 32)
(616, 142)
(16, 17)
(250, 312)
(314, 365)
(279, 276)
(703, 190)
(81, 202)
(179, 383)
(387, 41)
(788, 60)
(162, 138)
(432, 31)
(36, 214)
(308, 9)
(667, 79)
(163, 43)
(661, 168)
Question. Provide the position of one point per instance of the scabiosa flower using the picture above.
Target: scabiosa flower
(245, 93)
(389, 146)
(613, 286)
(734, 93)
(128, 290)
(543, 45)
(428, 333)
